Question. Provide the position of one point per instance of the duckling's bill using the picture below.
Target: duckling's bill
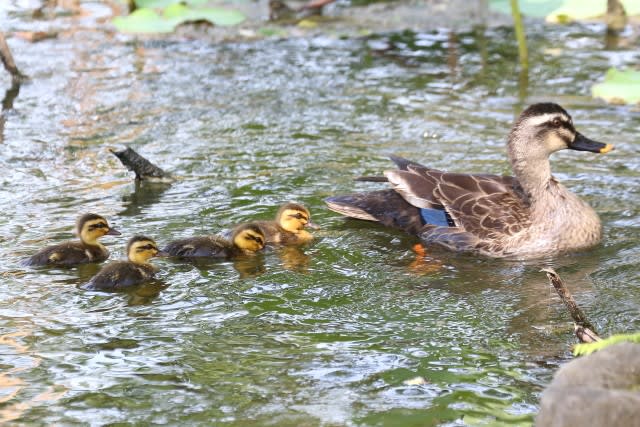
(582, 143)
(113, 232)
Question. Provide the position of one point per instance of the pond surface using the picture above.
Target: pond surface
(332, 334)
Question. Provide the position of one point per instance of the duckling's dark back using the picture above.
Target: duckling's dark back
(201, 246)
(67, 254)
(120, 275)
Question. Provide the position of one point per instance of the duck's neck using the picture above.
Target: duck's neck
(92, 242)
(531, 168)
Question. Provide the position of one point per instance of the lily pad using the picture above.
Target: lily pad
(179, 14)
(143, 21)
(161, 4)
(619, 87)
(535, 8)
(563, 10)
(147, 20)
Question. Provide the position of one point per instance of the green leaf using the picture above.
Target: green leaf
(179, 14)
(535, 8)
(619, 87)
(161, 4)
(563, 10)
(143, 21)
(588, 348)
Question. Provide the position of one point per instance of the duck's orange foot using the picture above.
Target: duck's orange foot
(423, 264)
(419, 249)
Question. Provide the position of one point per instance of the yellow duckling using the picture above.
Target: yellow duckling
(245, 240)
(121, 275)
(289, 225)
(90, 227)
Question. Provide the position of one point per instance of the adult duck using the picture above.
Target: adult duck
(525, 216)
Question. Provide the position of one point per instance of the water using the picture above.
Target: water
(324, 335)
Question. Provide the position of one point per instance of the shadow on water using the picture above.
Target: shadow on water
(144, 194)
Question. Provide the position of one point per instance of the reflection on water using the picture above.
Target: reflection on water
(323, 334)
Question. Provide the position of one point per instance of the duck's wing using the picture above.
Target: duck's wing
(485, 206)
(200, 246)
(120, 275)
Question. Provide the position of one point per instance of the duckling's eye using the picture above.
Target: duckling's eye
(556, 122)
(299, 216)
(146, 247)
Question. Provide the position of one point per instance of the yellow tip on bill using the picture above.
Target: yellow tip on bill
(606, 148)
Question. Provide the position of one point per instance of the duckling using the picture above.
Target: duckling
(90, 227)
(121, 275)
(245, 240)
(288, 227)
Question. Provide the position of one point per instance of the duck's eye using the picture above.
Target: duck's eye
(556, 122)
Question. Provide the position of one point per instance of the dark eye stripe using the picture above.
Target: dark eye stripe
(145, 248)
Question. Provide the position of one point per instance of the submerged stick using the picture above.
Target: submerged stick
(7, 60)
(143, 168)
(583, 328)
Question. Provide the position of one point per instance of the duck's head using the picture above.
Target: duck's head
(91, 227)
(141, 248)
(543, 129)
(248, 237)
(294, 217)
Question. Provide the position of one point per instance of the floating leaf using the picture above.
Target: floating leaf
(535, 8)
(180, 14)
(584, 349)
(161, 4)
(143, 21)
(563, 10)
(619, 87)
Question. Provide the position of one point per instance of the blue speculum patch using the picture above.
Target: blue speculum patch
(435, 217)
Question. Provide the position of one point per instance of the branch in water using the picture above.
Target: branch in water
(143, 168)
(583, 328)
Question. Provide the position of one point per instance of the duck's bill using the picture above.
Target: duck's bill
(312, 225)
(582, 143)
(113, 232)
(162, 254)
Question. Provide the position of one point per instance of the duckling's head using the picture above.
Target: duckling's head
(249, 237)
(543, 129)
(91, 227)
(294, 217)
(141, 248)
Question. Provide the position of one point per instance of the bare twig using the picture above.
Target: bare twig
(7, 60)
(583, 328)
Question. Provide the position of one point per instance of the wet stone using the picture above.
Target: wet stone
(602, 389)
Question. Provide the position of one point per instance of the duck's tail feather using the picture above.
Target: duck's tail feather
(372, 179)
(385, 206)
